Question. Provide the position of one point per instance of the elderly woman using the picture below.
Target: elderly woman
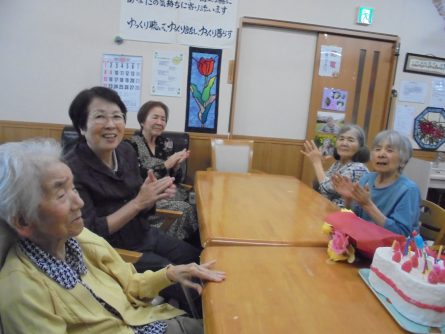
(155, 152)
(59, 277)
(351, 154)
(386, 197)
(118, 202)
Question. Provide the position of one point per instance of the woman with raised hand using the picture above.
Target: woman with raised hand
(59, 277)
(386, 197)
(350, 154)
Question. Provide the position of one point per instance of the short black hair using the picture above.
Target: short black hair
(78, 110)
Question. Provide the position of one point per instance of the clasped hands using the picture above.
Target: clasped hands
(351, 191)
(153, 190)
(184, 273)
(175, 160)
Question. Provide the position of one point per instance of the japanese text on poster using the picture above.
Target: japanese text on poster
(210, 23)
(123, 74)
(168, 68)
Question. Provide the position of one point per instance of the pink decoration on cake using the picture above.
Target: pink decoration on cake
(397, 257)
(407, 266)
(433, 278)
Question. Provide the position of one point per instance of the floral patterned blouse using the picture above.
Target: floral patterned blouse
(147, 160)
(353, 170)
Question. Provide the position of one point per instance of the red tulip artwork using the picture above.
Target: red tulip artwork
(203, 90)
(205, 66)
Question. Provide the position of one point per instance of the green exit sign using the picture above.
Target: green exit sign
(365, 15)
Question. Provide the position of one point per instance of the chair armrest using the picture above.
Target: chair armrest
(169, 213)
(187, 187)
(128, 255)
(168, 217)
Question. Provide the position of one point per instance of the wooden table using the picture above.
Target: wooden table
(289, 290)
(259, 209)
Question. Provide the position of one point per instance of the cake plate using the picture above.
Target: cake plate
(403, 322)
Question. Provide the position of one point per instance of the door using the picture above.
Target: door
(366, 73)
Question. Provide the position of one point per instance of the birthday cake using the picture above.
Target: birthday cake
(412, 281)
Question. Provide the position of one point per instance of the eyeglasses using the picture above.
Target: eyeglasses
(102, 118)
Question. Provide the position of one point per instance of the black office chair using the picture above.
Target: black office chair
(181, 140)
(69, 138)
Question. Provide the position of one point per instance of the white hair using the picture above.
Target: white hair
(22, 167)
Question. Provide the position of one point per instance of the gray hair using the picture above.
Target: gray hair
(398, 142)
(358, 130)
(362, 154)
(22, 167)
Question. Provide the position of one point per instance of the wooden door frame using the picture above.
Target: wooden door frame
(286, 25)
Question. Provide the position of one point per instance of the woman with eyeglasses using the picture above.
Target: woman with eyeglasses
(118, 202)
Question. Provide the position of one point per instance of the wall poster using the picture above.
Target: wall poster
(330, 61)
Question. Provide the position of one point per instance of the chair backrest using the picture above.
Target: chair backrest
(432, 218)
(419, 171)
(68, 138)
(232, 155)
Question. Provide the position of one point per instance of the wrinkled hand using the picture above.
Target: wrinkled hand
(184, 273)
(361, 194)
(343, 186)
(312, 152)
(175, 160)
(153, 190)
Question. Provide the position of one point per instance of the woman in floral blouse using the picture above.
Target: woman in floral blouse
(350, 153)
(156, 152)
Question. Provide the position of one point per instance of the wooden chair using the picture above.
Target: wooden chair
(232, 155)
(432, 219)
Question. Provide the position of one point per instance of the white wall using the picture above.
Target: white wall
(51, 49)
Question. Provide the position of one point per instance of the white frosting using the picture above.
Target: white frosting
(413, 284)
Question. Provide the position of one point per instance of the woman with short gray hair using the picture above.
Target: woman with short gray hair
(386, 197)
(58, 277)
(350, 154)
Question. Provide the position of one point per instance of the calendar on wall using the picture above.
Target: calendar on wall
(123, 74)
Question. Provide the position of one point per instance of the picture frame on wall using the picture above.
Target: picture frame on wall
(422, 64)
(204, 68)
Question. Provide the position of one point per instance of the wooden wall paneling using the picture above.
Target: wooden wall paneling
(16, 131)
(271, 155)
